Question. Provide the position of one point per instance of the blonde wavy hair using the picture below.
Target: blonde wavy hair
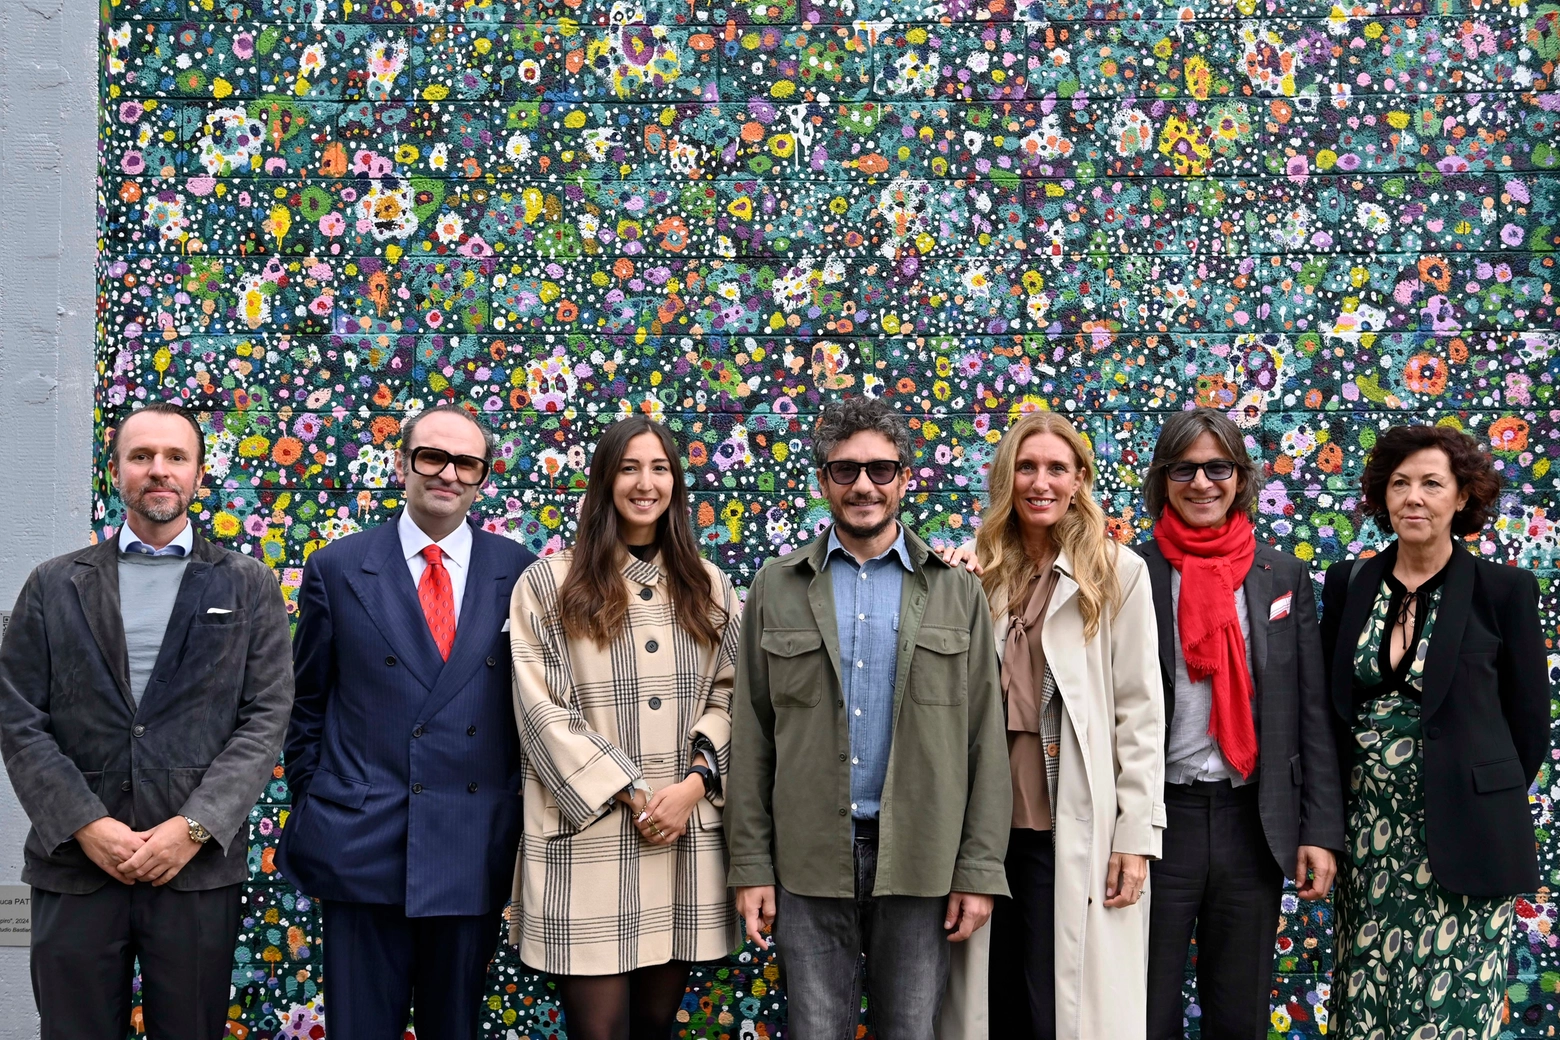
(999, 543)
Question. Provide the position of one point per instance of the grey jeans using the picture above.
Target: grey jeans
(821, 941)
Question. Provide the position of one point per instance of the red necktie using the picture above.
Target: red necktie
(438, 600)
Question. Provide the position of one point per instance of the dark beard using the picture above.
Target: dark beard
(137, 503)
(864, 534)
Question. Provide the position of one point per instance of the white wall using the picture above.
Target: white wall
(48, 160)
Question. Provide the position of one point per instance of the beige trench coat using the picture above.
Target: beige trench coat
(591, 896)
(1110, 798)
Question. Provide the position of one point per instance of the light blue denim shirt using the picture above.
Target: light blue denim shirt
(866, 609)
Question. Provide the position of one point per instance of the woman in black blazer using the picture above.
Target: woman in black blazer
(1441, 710)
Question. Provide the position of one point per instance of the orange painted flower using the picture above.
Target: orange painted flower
(1330, 458)
(1433, 271)
(1508, 433)
(1425, 374)
(287, 450)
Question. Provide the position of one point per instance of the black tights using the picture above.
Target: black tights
(640, 1005)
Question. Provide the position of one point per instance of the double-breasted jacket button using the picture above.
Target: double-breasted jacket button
(491, 661)
(472, 787)
(652, 646)
(646, 594)
(417, 731)
(390, 661)
(417, 788)
(471, 731)
(655, 704)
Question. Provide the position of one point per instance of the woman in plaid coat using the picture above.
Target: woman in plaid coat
(624, 651)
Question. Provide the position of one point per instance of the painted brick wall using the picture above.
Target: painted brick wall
(319, 215)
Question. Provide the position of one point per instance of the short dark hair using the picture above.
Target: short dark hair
(854, 415)
(489, 439)
(1471, 466)
(160, 408)
(1176, 438)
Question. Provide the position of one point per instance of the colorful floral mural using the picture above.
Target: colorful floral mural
(317, 216)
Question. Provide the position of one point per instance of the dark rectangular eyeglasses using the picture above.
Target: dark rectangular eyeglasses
(879, 471)
(430, 462)
(1213, 469)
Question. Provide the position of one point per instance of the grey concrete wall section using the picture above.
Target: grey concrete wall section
(48, 160)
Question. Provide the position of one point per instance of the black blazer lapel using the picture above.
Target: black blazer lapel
(96, 577)
(482, 610)
(1258, 587)
(1451, 618)
(384, 586)
(1164, 616)
(1359, 597)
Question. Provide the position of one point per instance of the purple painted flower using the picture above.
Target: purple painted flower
(1511, 235)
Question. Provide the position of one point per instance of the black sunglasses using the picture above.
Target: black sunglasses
(1213, 469)
(430, 462)
(880, 471)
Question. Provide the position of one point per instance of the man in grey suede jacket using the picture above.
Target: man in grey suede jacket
(145, 685)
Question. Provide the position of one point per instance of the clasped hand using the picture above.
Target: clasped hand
(663, 817)
(129, 856)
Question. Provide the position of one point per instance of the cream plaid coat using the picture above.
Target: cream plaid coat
(591, 897)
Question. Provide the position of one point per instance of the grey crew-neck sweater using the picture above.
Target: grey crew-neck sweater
(148, 585)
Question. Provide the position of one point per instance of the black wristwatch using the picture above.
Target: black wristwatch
(707, 775)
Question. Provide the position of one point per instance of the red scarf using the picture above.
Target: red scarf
(1213, 562)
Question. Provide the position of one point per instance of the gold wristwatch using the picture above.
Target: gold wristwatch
(198, 834)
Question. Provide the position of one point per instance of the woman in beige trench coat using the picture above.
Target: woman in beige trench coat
(624, 650)
(1074, 619)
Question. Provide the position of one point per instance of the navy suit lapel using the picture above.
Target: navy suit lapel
(96, 577)
(481, 616)
(384, 586)
(1451, 618)
(1359, 597)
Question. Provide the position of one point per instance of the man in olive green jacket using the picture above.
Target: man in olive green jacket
(869, 802)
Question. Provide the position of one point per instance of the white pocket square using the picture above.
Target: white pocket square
(218, 610)
(506, 626)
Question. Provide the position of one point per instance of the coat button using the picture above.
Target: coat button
(652, 646)
(124, 785)
(417, 731)
(842, 758)
(1433, 732)
(471, 731)
(390, 661)
(472, 787)
(842, 812)
(139, 730)
(655, 704)
(417, 788)
(646, 594)
(491, 661)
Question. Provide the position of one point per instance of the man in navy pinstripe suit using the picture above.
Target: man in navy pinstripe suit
(402, 753)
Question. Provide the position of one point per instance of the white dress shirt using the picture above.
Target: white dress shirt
(456, 547)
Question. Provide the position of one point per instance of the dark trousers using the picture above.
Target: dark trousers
(378, 962)
(1217, 876)
(1023, 941)
(84, 950)
(821, 941)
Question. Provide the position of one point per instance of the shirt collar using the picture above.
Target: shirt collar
(456, 545)
(181, 545)
(899, 547)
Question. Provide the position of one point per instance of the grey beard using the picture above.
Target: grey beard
(157, 514)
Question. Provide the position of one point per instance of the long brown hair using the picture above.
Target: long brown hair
(999, 544)
(593, 602)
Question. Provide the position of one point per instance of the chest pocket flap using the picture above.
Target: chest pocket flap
(939, 672)
(797, 678)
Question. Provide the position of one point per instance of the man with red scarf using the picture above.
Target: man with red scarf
(1251, 775)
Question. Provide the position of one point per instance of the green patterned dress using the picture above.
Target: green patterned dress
(1413, 961)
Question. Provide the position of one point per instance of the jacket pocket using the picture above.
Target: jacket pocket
(795, 665)
(939, 671)
(333, 787)
(1501, 775)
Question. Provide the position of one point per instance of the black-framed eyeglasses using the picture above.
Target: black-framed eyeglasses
(430, 462)
(1213, 469)
(879, 471)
